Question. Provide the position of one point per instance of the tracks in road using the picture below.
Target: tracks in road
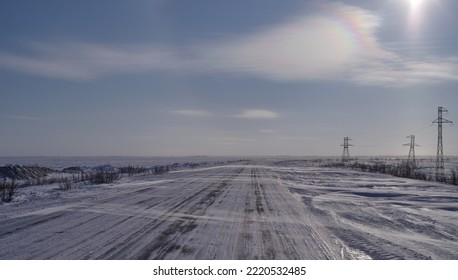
(166, 241)
(237, 212)
(231, 212)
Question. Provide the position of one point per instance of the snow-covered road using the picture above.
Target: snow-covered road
(242, 212)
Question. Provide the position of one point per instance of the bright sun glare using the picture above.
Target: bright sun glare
(415, 3)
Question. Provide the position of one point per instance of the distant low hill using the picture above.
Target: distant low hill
(19, 172)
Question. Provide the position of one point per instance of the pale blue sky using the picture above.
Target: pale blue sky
(245, 77)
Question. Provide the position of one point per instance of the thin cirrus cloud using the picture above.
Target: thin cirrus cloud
(83, 61)
(192, 113)
(257, 114)
(246, 114)
(334, 42)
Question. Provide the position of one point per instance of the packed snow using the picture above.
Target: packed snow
(258, 209)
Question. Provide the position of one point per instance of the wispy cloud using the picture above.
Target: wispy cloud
(403, 72)
(320, 45)
(257, 114)
(82, 61)
(334, 42)
(192, 113)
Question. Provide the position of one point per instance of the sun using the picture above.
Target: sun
(417, 13)
(415, 3)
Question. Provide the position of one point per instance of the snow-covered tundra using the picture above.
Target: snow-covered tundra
(248, 211)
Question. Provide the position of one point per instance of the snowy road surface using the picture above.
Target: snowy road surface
(241, 212)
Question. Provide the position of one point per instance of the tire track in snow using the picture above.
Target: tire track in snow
(258, 213)
(166, 241)
(49, 226)
(376, 248)
(141, 241)
(17, 224)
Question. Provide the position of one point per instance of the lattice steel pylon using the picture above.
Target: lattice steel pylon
(346, 152)
(440, 176)
(411, 159)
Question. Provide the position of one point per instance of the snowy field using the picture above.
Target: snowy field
(262, 209)
(64, 162)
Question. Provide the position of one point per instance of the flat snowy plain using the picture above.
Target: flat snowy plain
(257, 210)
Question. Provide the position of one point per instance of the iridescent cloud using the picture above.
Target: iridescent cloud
(333, 42)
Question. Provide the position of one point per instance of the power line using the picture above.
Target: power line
(346, 152)
(440, 176)
(411, 159)
(395, 136)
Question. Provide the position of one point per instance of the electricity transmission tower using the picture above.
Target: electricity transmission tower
(440, 176)
(411, 159)
(346, 152)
